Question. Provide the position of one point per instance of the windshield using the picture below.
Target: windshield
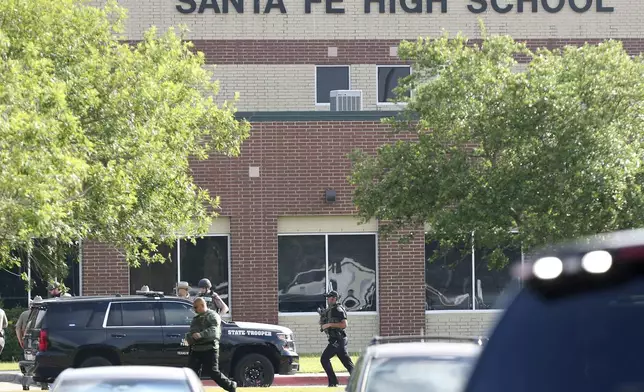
(582, 340)
(447, 374)
(127, 385)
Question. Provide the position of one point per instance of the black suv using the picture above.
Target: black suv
(145, 329)
(577, 324)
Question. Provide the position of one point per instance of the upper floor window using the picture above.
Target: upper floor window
(388, 76)
(329, 78)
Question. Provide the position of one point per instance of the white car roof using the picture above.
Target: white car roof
(125, 372)
(425, 349)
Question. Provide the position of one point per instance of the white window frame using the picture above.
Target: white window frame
(178, 254)
(473, 290)
(326, 262)
(378, 83)
(315, 82)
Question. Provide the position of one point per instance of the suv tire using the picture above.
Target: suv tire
(95, 362)
(254, 370)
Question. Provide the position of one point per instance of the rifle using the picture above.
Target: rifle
(324, 318)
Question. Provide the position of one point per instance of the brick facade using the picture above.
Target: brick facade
(271, 59)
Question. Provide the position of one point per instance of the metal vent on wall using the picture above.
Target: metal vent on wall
(346, 100)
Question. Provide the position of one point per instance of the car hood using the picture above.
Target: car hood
(265, 327)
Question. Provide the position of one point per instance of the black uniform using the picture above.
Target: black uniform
(338, 343)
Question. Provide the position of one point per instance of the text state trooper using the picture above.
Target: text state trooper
(338, 341)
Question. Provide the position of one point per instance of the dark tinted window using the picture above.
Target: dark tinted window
(157, 276)
(70, 315)
(177, 313)
(208, 257)
(328, 79)
(301, 272)
(132, 314)
(448, 277)
(588, 341)
(388, 81)
(352, 270)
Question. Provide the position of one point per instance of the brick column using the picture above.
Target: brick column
(104, 270)
(401, 294)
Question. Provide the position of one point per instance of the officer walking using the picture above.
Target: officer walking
(183, 290)
(213, 299)
(338, 341)
(21, 324)
(203, 339)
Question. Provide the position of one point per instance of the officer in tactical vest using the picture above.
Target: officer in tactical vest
(213, 299)
(203, 339)
(336, 322)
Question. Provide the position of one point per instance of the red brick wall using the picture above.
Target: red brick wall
(349, 51)
(104, 270)
(298, 161)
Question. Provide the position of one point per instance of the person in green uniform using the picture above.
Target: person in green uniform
(21, 324)
(203, 339)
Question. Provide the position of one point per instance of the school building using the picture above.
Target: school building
(288, 230)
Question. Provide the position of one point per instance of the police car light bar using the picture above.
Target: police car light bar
(150, 293)
(552, 267)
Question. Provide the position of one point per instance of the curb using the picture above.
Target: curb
(297, 380)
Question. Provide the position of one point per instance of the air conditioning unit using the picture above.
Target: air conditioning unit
(346, 100)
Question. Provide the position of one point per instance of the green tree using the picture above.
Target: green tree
(96, 136)
(553, 151)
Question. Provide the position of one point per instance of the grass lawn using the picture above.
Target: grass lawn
(4, 366)
(309, 363)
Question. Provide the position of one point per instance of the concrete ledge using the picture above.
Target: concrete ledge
(316, 115)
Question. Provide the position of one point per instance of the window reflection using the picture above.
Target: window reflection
(352, 270)
(492, 281)
(448, 279)
(207, 258)
(157, 276)
(303, 271)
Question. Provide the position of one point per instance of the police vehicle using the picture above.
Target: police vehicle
(576, 324)
(145, 329)
(415, 363)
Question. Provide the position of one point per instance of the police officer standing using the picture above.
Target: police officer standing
(21, 324)
(338, 341)
(203, 339)
(183, 290)
(213, 299)
(54, 289)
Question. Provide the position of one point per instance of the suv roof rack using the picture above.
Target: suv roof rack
(150, 293)
(480, 340)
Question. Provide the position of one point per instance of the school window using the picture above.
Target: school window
(388, 77)
(185, 261)
(310, 265)
(454, 280)
(329, 78)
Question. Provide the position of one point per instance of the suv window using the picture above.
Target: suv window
(177, 313)
(132, 314)
(590, 339)
(70, 315)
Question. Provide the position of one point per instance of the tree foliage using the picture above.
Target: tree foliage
(96, 135)
(553, 151)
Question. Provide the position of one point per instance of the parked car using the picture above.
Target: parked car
(576, 324)
(132, 378)
(145, 329)
(414, 363)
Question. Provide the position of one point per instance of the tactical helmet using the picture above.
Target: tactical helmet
(204, 283)
(53, 285)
